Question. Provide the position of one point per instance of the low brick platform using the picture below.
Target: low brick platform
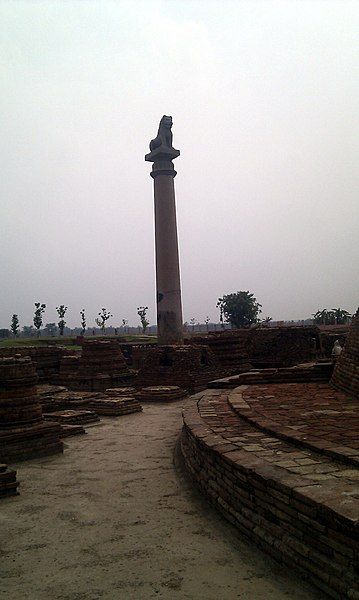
(115, 406)
(299, 505)
(72, 417)
(309, 372)
(310, 415)
(8, 483)
(161, 393)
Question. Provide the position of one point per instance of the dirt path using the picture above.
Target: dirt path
(114, 519)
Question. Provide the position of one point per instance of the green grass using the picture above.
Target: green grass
(71, 341)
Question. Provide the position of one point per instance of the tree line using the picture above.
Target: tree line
(238, 309)
(51, 328)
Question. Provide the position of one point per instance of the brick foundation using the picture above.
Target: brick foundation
(307, 520)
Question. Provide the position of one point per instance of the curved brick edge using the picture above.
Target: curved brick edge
(272, 508)
(343, 454)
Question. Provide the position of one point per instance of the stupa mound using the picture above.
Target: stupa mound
(23, 431)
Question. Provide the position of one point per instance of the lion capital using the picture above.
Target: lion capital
(161, 146)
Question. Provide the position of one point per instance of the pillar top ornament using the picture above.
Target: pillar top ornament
(161, 146)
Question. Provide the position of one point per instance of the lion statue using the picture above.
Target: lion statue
(164, 135)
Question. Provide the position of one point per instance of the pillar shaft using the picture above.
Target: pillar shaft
(169, 304)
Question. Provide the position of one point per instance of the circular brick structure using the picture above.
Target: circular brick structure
(23, 432)
(296, 500)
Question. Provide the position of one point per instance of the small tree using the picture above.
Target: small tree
(83, 321)
(193, 323)
(240, 309)
(104, 315)
(61, 311)
(265, 322)
(141, 311)
(15, 325)
(221, 318)
(207, 322)
(37, 320)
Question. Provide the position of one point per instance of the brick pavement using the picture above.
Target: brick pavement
(312, 415)
(298, 503)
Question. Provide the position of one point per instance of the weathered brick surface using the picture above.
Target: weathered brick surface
(187, 367)
(229, 349)
(252, 477)
(263, 347)
(23, 432)
(308, 414)
(310, 372)
(8, 482)
(45, 358)
(161, 393)
(346, 372)
(101, 365)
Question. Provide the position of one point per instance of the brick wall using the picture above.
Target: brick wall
(45, 358)
(188, 367)
(293, 528)
(264, 347)
(346, 372)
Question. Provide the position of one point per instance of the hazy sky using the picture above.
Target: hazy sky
(264, 99)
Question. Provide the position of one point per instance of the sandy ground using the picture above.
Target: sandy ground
(115, 518)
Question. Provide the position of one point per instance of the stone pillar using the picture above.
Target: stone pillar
(168, 283)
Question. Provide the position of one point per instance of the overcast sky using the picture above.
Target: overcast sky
(264, 100)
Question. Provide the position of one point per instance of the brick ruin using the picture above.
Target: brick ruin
(346, 372)
(46, 359)
(23, 432)
(8, 482)
(188, 367)
(101, 365)
(239, 350)
(161, 393)
(276, 450)
(229, 349)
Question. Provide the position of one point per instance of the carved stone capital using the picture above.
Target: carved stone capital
(161, 154)
(163, 167)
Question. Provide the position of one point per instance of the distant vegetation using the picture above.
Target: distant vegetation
(240, 309)
(333, 316)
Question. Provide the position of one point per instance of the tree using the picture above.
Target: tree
(104, 316)
(83, 321)
(219, 305)
(334, 316)
(341, 316)
(266, 321)
(61, 311)
(207, 322)
(141, 311)
(50, 329)
(192, 322)
(240, 309)
(14, 325)
(37, 320)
